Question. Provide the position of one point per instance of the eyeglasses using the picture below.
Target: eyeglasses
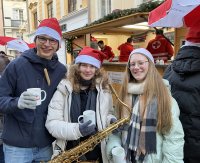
(139, 64)
(43, 40)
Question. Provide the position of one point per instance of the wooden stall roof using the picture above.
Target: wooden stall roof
(112, 26)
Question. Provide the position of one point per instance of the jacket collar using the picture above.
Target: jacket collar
(136, 88)
(32, 57)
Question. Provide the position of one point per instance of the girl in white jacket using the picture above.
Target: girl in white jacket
(85, 88)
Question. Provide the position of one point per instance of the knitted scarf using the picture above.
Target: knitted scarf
(76, 104)
(141, 137)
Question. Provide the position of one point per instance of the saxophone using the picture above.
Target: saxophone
(73, 154)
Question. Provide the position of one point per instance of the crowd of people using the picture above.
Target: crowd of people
(37, 132)
(160, 47)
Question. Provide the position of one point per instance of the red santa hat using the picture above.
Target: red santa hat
(90, 56)
(193, 34)
(51, 28)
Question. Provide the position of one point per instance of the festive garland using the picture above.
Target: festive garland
(144, 7)
(69, 44)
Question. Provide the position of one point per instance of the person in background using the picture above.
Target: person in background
(183, 75)
(155, 133)
(125, 50)
(107, 50)
(85, 88)
(25, 138)
(4, 61)
(160, 48)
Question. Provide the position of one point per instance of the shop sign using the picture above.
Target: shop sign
(116, 77)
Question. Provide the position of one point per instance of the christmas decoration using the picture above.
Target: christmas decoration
(144, 7)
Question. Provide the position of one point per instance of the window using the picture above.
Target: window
(145, 1)
(50, 9)
(64, 27)
(105, 7)
(72, 5)
(18, 14)
(35, 20)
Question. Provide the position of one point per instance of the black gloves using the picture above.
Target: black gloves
(124, 127)
(86, 129)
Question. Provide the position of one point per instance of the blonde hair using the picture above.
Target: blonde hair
(154, 87)
(99, 77)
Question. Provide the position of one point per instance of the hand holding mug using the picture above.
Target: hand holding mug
(27, 100)
(38, 93)
(31, 98)
(88, 115)
(87, 122)
(86, 129)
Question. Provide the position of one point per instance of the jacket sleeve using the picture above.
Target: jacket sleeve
(174, 141)
(168, 72)
(8, 101)
(56, 124)
(114, 140)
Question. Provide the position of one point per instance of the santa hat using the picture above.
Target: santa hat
(90, 56)
(142, 51)
(51, 28)
(193, 34)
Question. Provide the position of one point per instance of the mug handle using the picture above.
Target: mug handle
(42, 99)
(81, 116)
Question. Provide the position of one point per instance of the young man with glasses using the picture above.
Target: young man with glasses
(25, 138)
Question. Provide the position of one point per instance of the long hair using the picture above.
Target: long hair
(74, 77)
(154, 88)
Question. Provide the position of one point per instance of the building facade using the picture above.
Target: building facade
(14, 21)
(74, 14)
(71, 14)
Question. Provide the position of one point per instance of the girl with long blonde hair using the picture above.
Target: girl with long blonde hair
(155, 133)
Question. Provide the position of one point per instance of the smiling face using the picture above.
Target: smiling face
(139, 66)
(46, 46)
(87, 71)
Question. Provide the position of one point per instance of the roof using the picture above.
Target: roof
(113, 26)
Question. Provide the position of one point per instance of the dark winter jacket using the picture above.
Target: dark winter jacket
(26, 127)
(184, 77)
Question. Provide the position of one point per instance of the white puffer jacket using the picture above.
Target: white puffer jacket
(58, 119)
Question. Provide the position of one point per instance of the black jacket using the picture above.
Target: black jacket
(184, 77)
(26, 127)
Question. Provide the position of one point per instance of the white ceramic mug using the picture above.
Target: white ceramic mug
(38, 92)
(118, 154)
(88, 115)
